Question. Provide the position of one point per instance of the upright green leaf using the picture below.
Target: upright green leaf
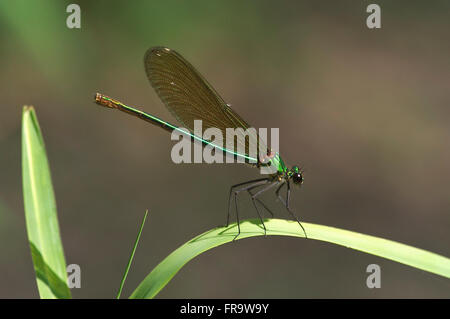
(40, 212)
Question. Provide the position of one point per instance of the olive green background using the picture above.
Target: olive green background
(366, 112)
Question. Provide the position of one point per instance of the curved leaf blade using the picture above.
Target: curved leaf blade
(408, 255)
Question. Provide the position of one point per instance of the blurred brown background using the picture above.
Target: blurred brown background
(365, 111)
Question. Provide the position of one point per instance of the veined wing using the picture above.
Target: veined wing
(188, 96)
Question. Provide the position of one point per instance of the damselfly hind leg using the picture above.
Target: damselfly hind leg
(235, 190)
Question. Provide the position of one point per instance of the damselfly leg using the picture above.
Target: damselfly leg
(286, 203)
(265, 183)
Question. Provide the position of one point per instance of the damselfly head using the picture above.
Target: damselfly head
(297, 175)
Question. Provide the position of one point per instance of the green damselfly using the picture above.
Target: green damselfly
(188, 96)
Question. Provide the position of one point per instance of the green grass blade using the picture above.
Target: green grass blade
(40, 212)
(132, 255)
(401, 253)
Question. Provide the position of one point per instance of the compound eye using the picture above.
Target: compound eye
(297, 178)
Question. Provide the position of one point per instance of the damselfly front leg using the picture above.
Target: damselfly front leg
(286, 203)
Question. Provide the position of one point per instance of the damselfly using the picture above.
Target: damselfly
(188, 96)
